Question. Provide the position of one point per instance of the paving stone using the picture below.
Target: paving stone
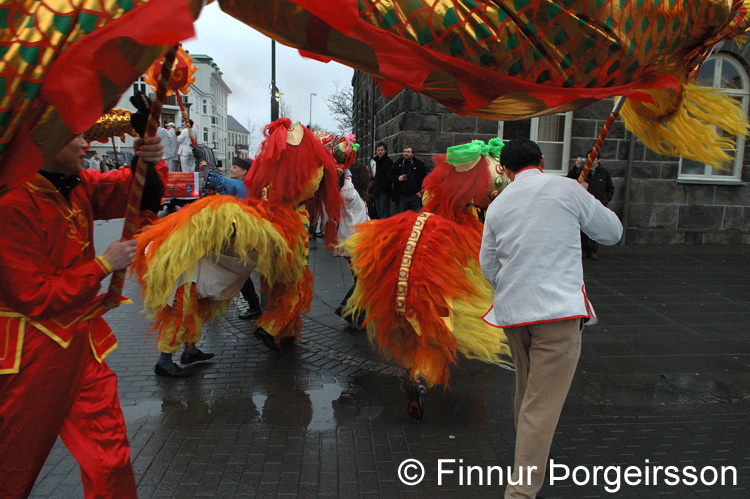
(664, 377)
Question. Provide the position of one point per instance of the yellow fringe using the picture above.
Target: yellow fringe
(228, 227)
(683, 125)
(477, 339)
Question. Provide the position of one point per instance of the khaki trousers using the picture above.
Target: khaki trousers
(545, 356)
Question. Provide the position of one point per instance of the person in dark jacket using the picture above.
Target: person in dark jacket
(407, 175)
(599, 184)
(381, 185)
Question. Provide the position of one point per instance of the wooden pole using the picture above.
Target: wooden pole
(132, 212)
(600, 140)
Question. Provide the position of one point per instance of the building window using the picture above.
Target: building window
(724, 72)
(205, 106)
(552, 133)
(205, 134)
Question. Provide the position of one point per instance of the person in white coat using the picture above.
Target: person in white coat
(185, 149)
(169, 141)
(355, 183)
(531, 254)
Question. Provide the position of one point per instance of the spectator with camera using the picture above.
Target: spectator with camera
(406, 176)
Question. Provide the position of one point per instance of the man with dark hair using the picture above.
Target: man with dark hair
(407, 175)
(381, 185)
(530, 254)
(599, 184)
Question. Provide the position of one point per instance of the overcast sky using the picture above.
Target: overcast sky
(244, 56)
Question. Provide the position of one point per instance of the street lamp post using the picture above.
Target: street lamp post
(274, 90)
(309, 123)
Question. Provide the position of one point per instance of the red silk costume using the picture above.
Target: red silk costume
(52, 376)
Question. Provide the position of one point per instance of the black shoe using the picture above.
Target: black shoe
(340, 312)
(266, 339)
(174, 371)
(416, 391)
(251, 314)
(194, 356)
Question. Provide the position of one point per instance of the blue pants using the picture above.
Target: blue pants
(383, 205)
(413, 203)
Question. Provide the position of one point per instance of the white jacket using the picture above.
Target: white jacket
(185, 147)
(531, 248)
(169, 142)
(354, 211)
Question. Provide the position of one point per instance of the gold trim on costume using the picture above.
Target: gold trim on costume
(104, 264)
(19, 346)
(78, 224)
(402, 285)
(100, 358)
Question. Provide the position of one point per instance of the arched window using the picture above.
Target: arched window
(724, 72)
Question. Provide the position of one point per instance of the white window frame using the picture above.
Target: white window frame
(744, 95)
(564, 166)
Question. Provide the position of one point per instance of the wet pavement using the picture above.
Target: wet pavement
(663, 380)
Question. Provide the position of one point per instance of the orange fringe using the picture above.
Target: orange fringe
(188, 312)
(289, 171)
(436, 280)
(451, 192)
(286, 305)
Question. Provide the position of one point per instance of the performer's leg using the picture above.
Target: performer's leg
(94, 432)
(33, 406)
(553, 355)
(519, 342)
(249, 294)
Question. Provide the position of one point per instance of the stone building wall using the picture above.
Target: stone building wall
(661, 209)
(410, 119)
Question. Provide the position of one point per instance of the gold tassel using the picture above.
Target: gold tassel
(684, 123)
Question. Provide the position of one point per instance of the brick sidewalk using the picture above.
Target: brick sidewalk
(665, 377)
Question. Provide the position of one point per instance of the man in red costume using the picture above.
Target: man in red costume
(53, 380)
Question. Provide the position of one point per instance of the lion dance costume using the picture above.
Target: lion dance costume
(192, 263)
(419, 284)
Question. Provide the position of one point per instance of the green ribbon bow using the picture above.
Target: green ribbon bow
(468, 153)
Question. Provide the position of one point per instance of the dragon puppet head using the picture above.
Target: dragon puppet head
(294, 166)
(468, 174)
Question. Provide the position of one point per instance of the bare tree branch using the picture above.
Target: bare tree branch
(285, 110)
(255, 136)
(340, 105)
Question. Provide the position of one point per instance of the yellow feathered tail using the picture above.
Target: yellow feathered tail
(684, 123)
(210, 226)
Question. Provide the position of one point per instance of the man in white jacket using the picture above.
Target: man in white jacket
(531, 254)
